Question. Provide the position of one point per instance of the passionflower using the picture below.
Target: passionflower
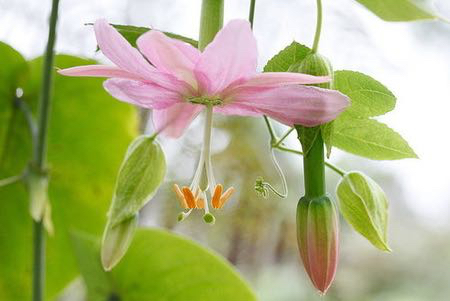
(178, 81)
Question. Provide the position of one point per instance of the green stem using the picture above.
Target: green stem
(40, 154)
(273, 137)
(283, 137)
(211, 21)
(251, 14)
(327, 164)
(314, 170)
(318, 26)
(38, 261)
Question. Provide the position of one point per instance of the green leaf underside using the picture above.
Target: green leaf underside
(400, 10)
(132, 33)
(83, 160)
(369, 97)
(371, 139)
(140, 175)
(165, 267)
(364, 205)
(292, 54)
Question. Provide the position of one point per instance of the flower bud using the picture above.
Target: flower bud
(317, 237)
(315, 64)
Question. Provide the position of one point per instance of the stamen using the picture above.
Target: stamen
(188, 197)
(180, 196)
(200, 203)
(215, 201)
(226, 196)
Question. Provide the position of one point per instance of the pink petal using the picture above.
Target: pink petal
(169, 56)
(270, 79)
(143, 94)
(128, 58)
(237, 109)
(295, 104)
(119, 51)
(174, 120)
(98, 71)
(232, 55)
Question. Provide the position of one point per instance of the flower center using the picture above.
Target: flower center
(203, 183)
(205, 100)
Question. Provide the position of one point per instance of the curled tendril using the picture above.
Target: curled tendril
(262, 188)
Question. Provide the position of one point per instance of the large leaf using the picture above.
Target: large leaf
(369, 97)
(89, 132)
(371, 139)
(132, 33)
(292, 54)
(364, 205)
(400, 10)
(162, 266)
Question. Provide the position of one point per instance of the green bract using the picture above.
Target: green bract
(140, 175)
(365, 206)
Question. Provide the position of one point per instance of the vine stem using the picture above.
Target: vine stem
(328, 164)
(318, 26)
(40, 154)
(11, 180)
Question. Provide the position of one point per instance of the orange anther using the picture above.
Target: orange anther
(226, 196)
(188, 197)
(215, 202)
(180, 196)
(200, 203)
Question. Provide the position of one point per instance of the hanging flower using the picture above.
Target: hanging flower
(178, 81)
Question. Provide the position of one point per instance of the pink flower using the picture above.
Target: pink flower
(177, 81)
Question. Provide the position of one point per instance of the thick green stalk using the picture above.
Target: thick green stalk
(211, 21)
(39, 154)
(314, 170)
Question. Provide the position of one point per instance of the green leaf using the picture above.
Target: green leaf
(86, 248)
(364, 206)
(83, 159)
(165, 267)
(292, 54)
(369, 97)
(371, 139)
(132, 33)
(140, 175)
(400, 10)
(307, 136)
